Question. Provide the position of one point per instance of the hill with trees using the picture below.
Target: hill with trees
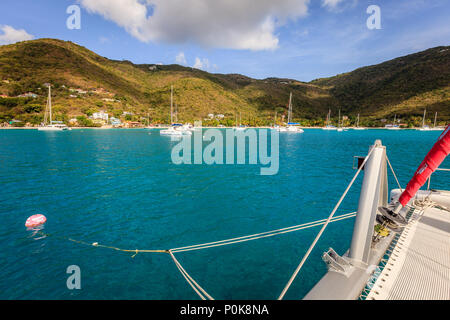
(84, 82)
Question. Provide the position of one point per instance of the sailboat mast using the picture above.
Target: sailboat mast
(339, 124)
(435, 120)
(290, 109)
(50, 101)
(424, 115)
(46, 113)
(171, 105)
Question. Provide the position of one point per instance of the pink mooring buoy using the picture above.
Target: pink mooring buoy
(35, 221)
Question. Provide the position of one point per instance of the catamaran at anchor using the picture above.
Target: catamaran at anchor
(428, 128)
(52, 125)
(239, 127)
(329, 126)
(424, 126)
(394, 125)
(175, 129)
(340, 128)
(357, 125)
(291, 126)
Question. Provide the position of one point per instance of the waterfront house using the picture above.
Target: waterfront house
(115, 122)
(101, 115)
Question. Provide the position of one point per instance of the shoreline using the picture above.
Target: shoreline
(166, 127)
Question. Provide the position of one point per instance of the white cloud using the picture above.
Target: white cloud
(11, 35)
(181, 59)
(233, 24)
(338, 5)
(202, 64)
(331, 3)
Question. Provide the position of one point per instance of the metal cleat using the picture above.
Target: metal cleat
(335, 262)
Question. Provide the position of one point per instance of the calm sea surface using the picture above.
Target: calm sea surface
(120, 188)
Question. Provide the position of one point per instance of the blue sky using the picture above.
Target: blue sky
(299, 39)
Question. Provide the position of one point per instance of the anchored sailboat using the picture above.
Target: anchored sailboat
(52, 125)
(329, 126)
(291, 127)
(393, 126)
(424, 126)
(174, 129)
(357, 125)
(435, 128)
(239, 127)
(340, 129)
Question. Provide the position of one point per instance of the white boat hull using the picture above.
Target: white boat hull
(174, 132)
(294, 130)
(52, 129)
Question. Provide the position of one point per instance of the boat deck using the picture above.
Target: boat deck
(419, 266)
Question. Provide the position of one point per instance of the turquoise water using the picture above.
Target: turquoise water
(120, 188)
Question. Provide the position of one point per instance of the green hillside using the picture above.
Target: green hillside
(404, 86)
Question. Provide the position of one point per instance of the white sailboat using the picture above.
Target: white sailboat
(52, 125)
(435, 128)
(149, 127)
(291, 127)
(174, 130)
(340, 129)
(424, 126)
(187, 127)
(393, 126)
(239, 127)
(357, 125)
(329, 126)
